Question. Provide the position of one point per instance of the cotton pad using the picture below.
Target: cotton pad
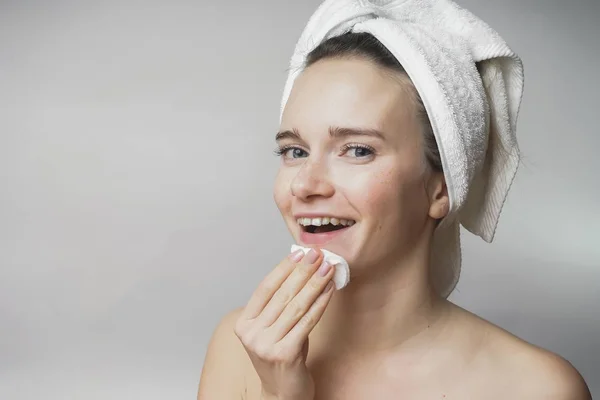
(341, 276)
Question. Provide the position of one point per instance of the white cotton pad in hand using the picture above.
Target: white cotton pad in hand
(341, 276)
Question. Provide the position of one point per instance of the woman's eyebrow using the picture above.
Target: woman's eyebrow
(335, 132)
(339, 132)
(288, 134)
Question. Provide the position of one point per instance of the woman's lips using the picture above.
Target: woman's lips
(321, 238)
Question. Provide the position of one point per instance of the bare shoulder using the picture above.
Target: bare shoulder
(225, 363)
(528, 371)
(552, 377)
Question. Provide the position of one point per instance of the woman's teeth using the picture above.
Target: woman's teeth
(325, 221)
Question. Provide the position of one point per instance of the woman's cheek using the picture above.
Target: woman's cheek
(375, 191)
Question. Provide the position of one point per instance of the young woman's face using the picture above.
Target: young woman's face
(352, 161)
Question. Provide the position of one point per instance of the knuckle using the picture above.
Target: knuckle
(253, 343)
(238, 330)
(282, 296)
(240, 326)
(315, 285)
(301, 272)
(295, 309)
(308, 270)
(264, 288)
(307, 320)
(251, 339)
(286, 264)
(245, 339)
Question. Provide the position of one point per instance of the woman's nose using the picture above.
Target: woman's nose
(311, 181)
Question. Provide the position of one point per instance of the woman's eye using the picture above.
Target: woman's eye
(294, 152)
(359, 152)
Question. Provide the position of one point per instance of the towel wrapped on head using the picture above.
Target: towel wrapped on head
(471, 84)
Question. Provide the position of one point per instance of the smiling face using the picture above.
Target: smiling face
(352, 152)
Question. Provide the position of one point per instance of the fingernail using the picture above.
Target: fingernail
(311, 257)
(324, 268)
(297, 255)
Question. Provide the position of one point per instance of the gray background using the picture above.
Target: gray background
(136, 173)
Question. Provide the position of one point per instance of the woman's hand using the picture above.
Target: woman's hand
(275, 324)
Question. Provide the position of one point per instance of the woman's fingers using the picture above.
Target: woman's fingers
(297, 310)
(270, 284)
(290, 288)
(276, 322)
(299, 333)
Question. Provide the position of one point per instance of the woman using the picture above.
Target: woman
(361, 175)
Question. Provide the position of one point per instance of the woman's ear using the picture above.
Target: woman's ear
(439, 202)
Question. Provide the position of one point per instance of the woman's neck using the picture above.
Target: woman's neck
(390, 307)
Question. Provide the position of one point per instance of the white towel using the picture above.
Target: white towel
(471, 84)
(341, 276)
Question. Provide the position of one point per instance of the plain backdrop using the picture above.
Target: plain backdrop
(136, 174)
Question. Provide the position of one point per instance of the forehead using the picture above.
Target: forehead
(348, 92)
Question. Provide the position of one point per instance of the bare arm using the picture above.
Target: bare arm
(223, 372)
